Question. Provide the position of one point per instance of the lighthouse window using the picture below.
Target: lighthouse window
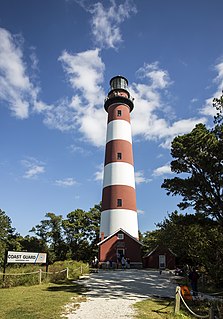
(119, 202)
(119, 113)
(119, 156)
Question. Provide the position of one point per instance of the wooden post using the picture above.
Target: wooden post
(81, 270)
(67, 272)
(211, 312)
(40, 276)
(177, 300)
(5, 264)
(47, 265)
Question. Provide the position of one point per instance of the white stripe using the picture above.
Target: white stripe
(113, 219)
(119, 173)
(119, 129)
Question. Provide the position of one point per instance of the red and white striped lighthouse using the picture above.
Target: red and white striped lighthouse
(119, 195)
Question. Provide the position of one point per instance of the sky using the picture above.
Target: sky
(56, 60)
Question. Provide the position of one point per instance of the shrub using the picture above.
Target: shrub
(20, 275)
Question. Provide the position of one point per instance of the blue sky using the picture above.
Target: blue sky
(56, 60)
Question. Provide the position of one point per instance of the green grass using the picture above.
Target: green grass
(44, 301)
(158, 309)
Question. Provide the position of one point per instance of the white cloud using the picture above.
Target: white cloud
(163, 170)
(79, 150)
(158, 78)
(85, 73)
(98, 175)
(105, 23)
(140, 211)
(33, 168)
(17, 91)
(140, 178)
(61, 116)
(84, 111)
(194, 100)
(150, 101)
(66, 182)
(208, 108)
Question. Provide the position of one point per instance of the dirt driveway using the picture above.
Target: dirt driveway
(111, 293)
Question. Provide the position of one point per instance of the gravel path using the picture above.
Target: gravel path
(111, 294)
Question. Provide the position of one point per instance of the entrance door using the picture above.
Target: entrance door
(121, 252)
(162, 261)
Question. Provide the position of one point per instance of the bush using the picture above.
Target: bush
(75, 269)
(20, 276)
(28, 275)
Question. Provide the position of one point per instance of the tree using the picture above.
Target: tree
(218, 105)
(51, 234)
(81, 231)
(199, 158)
(8, 237)
(195, 239)
(32, 244)
(74, 237)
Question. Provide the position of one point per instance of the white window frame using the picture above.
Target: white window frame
(120, 236)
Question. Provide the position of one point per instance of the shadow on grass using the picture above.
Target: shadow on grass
(68, 286)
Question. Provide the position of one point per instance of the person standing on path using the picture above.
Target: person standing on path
(194, 276)
(123, 262)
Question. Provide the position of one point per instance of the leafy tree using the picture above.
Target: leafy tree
(198, 156)
(150, 240)
(218, 105)
(8, 237)
(195, 239)
(50, 232)
(74, 237)
(32, 244)
(81, 231)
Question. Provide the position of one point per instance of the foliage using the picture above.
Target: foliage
(79, 229)
(32, 244)
(50, 233)
(74, 237)
(218, 105)
(150, 240)
(198, 156)
(192, 238)
(27, 275)
(20, 275)
(8, 237)
(75, 270)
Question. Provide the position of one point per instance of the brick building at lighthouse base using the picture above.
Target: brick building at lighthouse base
(120, 243)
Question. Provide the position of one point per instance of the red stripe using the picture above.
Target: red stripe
(112, 193)
(113, 112)
(118, 146)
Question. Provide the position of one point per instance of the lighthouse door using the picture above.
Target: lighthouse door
(162, 261)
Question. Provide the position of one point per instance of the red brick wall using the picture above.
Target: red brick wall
(152, 261)
(108, 250)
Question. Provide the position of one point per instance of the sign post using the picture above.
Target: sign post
(4, 266)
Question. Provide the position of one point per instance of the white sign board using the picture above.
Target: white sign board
(26, 257)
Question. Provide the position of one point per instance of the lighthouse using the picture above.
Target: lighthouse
(119, 222)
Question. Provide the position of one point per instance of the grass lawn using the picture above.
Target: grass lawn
(45, 301)
(157, 309)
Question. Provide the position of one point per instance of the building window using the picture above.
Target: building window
(119, 202)
(120, 236)
(119, 113)
(119, 156)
